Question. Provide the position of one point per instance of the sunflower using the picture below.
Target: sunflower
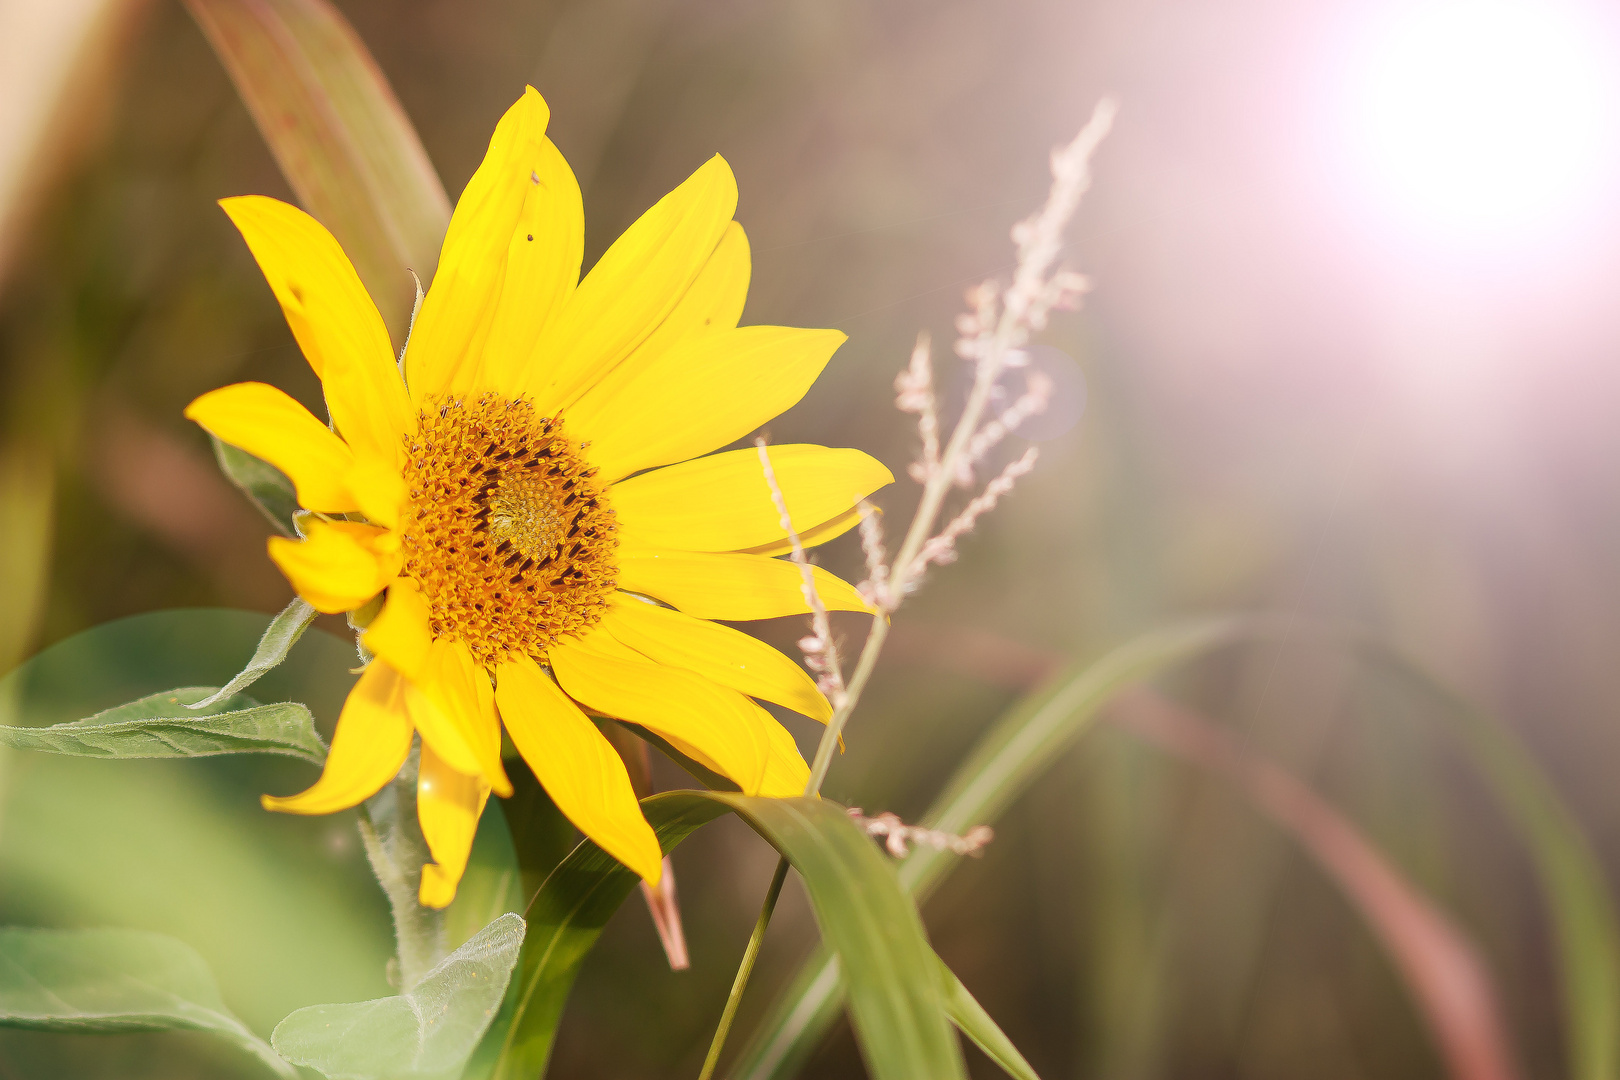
(523, 501)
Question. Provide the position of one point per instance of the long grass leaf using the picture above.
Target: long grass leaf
(565, 918)
(339, 135)
(1452, 986)
(1021, 744)
(971, 1020)
(1579, 900)
(897, 1002)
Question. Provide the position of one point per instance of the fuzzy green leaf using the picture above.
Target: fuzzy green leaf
(426, 1034)
(115, 980)
(163, 725)
(279, 638)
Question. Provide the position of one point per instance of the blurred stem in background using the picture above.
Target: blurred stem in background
(58, 62)
(1124, 1007)
(27, 490)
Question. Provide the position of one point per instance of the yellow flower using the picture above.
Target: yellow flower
(532, 483)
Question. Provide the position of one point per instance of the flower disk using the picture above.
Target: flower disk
(504, 530)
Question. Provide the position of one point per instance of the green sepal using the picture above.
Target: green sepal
(263, 483)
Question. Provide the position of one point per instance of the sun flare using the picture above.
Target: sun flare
(1483, 119)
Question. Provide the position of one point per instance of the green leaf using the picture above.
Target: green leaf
(115, 980)
(1024, 742)
(1572, 881)
(543, 838)
(971, 1020)
(163, 725)
(565, 919)
(425, 1034)
(266, 486)
(279, 638)
(896, 1003)
(339, 135)
(492, 884)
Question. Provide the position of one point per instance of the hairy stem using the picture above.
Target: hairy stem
(396, 849)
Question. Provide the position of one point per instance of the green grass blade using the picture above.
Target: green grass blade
(897, 1003)
(339, 135)
(971, 1020)
(565, 918)
(1578, 897)
(1024, 742)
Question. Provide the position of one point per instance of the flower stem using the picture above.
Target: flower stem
(744, 970)
(396, 850)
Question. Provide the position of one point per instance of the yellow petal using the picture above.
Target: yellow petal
(400, 633)
(718, 653)
(542, 270)
(342, 565)
(698, 755)
(730, 586)
(301, 260)
(379, 489)
(448, 804)
(579, 768)
(372, 740)
(787, 775)
(334, 320)
(698, 396)
(616, 681)
(816, 534)
(713, 303)
(632, 289)
(456, 313)
(453, 705)
(268, 424)
(722, 503)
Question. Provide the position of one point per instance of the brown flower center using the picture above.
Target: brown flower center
(509, 538)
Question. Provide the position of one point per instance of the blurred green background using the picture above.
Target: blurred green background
(1291, 400)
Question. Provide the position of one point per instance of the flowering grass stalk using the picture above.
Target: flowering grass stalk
(992, 340)
(993, 333)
